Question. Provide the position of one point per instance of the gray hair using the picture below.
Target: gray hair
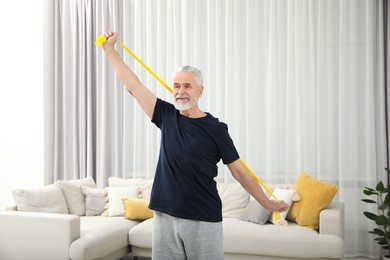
(194, 71)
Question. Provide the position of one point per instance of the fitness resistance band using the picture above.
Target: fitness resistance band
(102, 39)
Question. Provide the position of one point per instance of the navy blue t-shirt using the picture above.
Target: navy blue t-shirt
(190, 149)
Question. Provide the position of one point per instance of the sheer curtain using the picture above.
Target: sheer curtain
(300, 84)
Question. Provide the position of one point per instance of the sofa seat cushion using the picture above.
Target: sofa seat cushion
(292, 241)
(141, 235)
(241, 237)
(100, 236)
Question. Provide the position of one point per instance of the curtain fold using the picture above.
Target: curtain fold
(88, 125)
(299, 83)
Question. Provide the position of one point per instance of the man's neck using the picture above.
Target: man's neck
(193, 112)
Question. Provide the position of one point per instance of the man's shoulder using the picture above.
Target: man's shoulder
(164, 106)
(162, 111)
(164, 103)
(216, 123)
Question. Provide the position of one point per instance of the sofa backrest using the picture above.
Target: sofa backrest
(145, 185)
(234, 197)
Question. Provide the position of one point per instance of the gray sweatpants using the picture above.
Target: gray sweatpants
(179, 239)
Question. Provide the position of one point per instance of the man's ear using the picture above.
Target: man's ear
(200, 91)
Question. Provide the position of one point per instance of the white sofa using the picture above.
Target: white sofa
(36, 235)
(245, 240)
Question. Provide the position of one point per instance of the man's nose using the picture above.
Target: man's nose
(180, 90)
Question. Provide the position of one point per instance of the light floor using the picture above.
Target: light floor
(129, 257)
(358, 258)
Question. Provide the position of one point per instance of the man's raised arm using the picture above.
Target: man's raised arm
(144, 96)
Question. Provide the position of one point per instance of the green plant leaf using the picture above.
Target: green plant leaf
(378, 232)
(370, 215)
(381, 220)
(387, 199)
(381, 240)
(370, 192)
(380, 187)
(369, 201)
(383, 206)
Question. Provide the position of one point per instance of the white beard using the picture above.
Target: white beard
(186, 106)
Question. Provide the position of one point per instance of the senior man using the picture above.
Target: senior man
(187, 222)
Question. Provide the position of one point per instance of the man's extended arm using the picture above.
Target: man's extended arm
(241, 174)
(144, 96)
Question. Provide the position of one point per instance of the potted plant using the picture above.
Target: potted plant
(382, 220)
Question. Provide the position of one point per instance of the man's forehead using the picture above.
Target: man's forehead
(182, 82)
(184, 77)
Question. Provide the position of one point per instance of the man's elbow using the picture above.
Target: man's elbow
(238, 176)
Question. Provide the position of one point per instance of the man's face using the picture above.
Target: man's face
(186, 91)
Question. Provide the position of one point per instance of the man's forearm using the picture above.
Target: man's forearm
(252, 187)
(247, 181)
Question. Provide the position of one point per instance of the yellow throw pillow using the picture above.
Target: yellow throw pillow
(137, 209)
(315, 196)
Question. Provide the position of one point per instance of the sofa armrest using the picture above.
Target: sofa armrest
(332, 220)
(33, 235)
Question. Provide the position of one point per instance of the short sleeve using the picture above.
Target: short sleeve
(161, 109)
(226, 146)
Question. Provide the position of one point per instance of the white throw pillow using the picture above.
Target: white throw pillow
(234, 199)
(49, 199)
(255, 213)
(95, 200)
(115, 196)
(73, 194)
(287, 196)
(145, 185)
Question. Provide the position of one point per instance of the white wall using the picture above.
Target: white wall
(21, 97)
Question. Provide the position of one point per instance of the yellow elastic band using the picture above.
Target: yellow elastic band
(276, 215)
(258, 180)
(102, 39)
(146, 67)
